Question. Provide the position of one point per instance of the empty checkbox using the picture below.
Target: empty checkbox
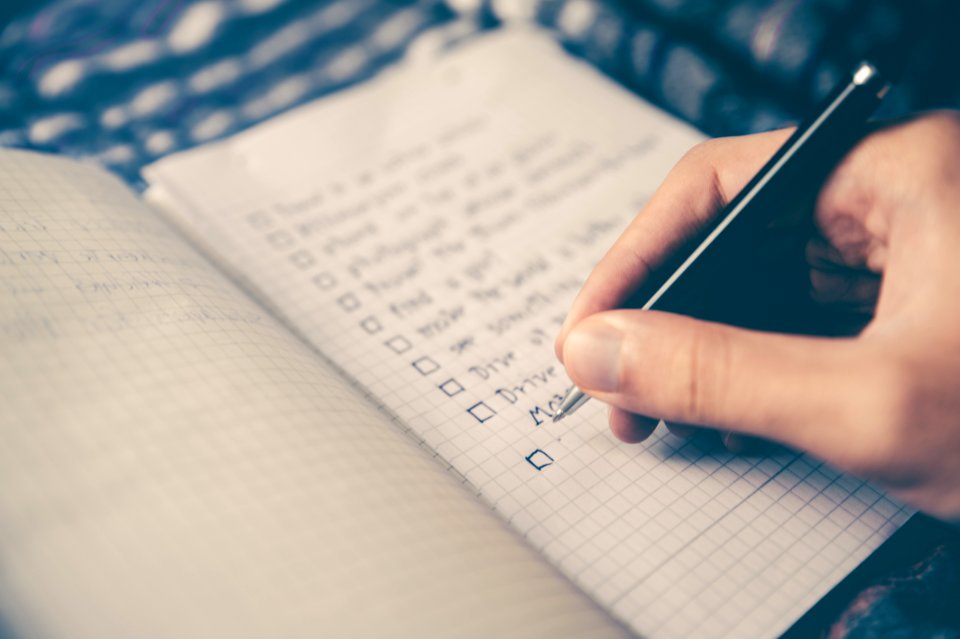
(280, 239)
(324, 281)
(425, 365)
(348, 302)
(371, 325)
(303, 260)
(539, 459)
(481, 412)
(399, 344)
(451, 387)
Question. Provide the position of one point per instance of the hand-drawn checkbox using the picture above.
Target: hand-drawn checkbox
(451, 387)
(425, 365)
(324, 281)
(303, 260)
(399, 344)
(280, 239)
(539, 459)
(371, 325)
(259, 220)
(481, 412)
(348, 302)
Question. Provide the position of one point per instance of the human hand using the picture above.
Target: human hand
(884, 405)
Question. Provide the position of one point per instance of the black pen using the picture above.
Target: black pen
(801, 165)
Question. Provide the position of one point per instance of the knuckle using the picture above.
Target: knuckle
(702, 155)
(705, 369)
(637, 260)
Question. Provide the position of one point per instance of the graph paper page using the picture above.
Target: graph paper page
(427, 232)
(173, 463)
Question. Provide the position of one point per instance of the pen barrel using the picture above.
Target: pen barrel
(768, 212)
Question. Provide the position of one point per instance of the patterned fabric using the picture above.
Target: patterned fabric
(918, 601)
(125, 81)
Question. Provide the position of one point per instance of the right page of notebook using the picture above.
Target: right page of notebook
(427, 232)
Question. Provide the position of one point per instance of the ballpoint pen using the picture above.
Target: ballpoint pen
(801, 165)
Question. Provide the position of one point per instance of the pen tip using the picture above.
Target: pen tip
(560, 415)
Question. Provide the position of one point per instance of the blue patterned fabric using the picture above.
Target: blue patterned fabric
(124, 82)
(127, 81)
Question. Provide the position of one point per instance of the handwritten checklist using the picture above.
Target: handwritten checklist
(461, 209)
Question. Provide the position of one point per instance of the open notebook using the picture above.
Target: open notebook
(304, 389)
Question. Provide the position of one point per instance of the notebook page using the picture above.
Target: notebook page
(427, 232)
(173, 463)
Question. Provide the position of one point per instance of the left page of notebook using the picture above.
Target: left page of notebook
(174, 463)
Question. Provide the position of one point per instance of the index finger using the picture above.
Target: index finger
(695, 190)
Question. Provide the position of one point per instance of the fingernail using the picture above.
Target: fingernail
(591, 354)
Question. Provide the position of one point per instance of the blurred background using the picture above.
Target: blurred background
(123, 82)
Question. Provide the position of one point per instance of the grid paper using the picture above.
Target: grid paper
(173, 463)
(426, 233)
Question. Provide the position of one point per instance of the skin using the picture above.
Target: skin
(883, 404)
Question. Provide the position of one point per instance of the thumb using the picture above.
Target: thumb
(786, 388)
